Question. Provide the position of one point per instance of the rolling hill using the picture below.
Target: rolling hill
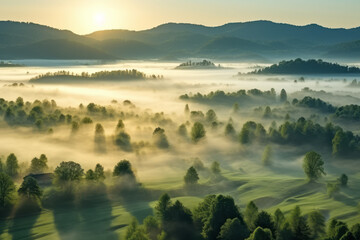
(257, 40)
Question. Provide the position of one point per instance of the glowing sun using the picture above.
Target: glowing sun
(99, 19)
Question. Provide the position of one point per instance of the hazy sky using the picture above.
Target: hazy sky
(85, 16)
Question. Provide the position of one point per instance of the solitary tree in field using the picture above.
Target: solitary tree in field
(197, 132)
(283, 95)
(30, 188)
(123, 168)
(215, 168)
(343, 180)
(160, 139)
(313, 166)
(7, 188)
(187, 109)
(191, 176)
(266, 157)
(12, 165)
(100, 142)
(230, 130)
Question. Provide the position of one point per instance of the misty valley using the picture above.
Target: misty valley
(169, 150)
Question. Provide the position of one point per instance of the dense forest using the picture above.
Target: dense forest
(299, 66)
(64, 76)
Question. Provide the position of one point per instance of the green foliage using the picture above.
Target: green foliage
(283, 95)
(123, 168)
(279, 220)
(74, 127)
(102, 75)
(315, 103)
(202, 211)
(211, 116)
(343, 180)
(99, 172)
(348, 236)
(316, 223)
(332, 189)
(313, 166)
(68, 172)
(182, 131)
(39, 165)
(163, 205)
(122, 139)
(348, 112)
(311, 66)
(12, 165)
(261, 234)
(100, 141)
(7, 188)
(252, 96)
(30, 188)
(152, 227)
(222, 208)
(355, 229)
(160, 138)
(134, 232)
(299, 227)
(197, 132)
(191, 176)
(250, 215)
(90, 175)
(230, 130)
(266, 157)
(86, 120)
(264, 220)
(233, 229)
(215, 168)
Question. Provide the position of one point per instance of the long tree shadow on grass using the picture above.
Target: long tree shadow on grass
(87, 216)
(24, 218)
(4, 214)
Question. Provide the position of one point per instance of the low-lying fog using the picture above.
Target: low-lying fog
(156, 96)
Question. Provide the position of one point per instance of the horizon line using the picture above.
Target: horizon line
(186, 23)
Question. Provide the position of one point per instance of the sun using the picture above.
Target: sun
(99, 19)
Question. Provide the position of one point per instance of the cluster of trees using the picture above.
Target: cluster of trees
(315, 103)
(348, 112)
(103, 75)
(218, 218)
(354, 83)
(39, 114)
(251, 96)
(64, 175)
(202, 64)
(343, 143)
(312, 66)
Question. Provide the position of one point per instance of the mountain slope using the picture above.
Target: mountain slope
(53, 49)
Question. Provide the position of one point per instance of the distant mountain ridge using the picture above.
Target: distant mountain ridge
(256, 41)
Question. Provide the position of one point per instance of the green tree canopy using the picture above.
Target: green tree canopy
(313, 166)
(30, 188)
(191, 176)
(7, 188)
(68, 171)
(12, 165)
(197, 132)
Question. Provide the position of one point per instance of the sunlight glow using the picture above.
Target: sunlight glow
(99, 19)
